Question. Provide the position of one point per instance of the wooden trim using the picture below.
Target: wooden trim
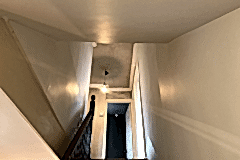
(119, 100)
(110, 89)
(95, 85)
(120, 89)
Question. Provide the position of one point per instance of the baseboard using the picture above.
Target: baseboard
(222, 138)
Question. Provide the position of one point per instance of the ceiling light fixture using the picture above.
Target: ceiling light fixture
(104, 88)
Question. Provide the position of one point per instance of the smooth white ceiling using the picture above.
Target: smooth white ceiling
(108, 21)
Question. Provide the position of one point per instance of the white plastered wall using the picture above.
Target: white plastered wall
(195, 116)
(145, 55)
(137, 117)
(99, 126)
(82, 53)
(129, 136)
(63, 69)
(19, 139)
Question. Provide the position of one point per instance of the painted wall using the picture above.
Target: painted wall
(145, 55)
(129, 133)
(22, 86)
(82, 53)
(199, 85)
(119, 95)
(19, 140)
(53, 65)
(63, 69)
(137, 115)
(190, 90)
(98, 141)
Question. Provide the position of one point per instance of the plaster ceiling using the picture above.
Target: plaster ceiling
(116, 58)
(114, 21)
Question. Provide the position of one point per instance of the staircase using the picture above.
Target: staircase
(82, 148)
(79, 148)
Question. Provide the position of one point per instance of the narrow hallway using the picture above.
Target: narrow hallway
(116, 130)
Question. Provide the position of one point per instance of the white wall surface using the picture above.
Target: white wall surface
(129, 136)
(146, 56)
(82, 53)
(59, 73)
(18, 139)
(99, 127)
(137, 115)
(199, 85)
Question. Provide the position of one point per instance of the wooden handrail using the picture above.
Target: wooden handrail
(77, 136)
(80, 131)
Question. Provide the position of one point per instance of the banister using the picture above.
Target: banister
(80, 131)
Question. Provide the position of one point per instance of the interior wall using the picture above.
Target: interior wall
(18, 137)
(52, 62)
(119, 95)
(82, 53)
(99, 127)
(22, 86)
(145, 55)
(199, 86)
(129, 133)
(139, 117)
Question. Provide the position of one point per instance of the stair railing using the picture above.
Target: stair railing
(79, 148)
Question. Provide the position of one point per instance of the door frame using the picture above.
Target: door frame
(130, 101)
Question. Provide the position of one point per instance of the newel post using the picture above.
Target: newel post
(92, 104)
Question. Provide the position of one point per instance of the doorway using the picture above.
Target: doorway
(116, 130)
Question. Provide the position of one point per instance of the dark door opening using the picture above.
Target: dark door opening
(116, 130)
